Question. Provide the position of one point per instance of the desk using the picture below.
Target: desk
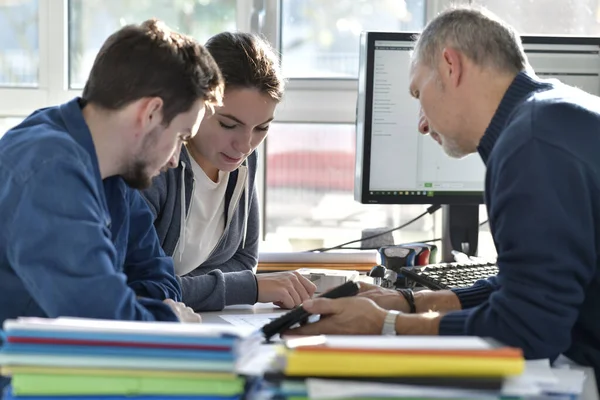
(214, 317)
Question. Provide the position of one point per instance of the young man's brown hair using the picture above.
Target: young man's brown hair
(150, 60)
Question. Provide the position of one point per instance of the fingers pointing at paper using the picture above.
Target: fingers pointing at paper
(285, 289)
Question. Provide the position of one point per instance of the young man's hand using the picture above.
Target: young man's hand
(284, 289)
(183, 312)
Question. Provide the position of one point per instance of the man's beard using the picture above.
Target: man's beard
(452, 148)
(136, 176)
(453, 151)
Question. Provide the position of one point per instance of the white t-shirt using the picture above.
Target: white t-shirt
(205, 221)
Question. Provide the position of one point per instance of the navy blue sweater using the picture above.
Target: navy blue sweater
(542, 152)
(72, 244)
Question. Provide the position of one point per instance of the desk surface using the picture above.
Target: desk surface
(214, 317)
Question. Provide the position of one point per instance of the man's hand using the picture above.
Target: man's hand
(183, 312)
(388, 299)
(285, 289)
(344, 316)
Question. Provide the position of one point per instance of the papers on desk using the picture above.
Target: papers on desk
(342, 367)
(84, 357)
(330, 257)
(394, 356)
(417, 344)
(538, 379)
(250, 321)
(362, 260)
(125, 330)
(68, 359)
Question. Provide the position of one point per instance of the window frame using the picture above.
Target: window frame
(306, 100)
(318, 100)
(310, 100)
(53, 74)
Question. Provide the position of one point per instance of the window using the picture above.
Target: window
(7, 123)
(309, 155)
(92, 21)
(548, 17)
(309, 191)
(320, 38)
(19, 50)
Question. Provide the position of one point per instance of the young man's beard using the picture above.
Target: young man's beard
(136, 177)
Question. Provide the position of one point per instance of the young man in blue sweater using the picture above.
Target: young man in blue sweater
(77, 239)
(540, 142)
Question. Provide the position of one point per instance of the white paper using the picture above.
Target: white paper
(537, 378)
(530, 383)
(570, 381)
(397, 342)
(258, 362)
(90, 325)
(538, 371)
(250, 320)
(332, 389)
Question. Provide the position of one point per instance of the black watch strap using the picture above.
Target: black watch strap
(410, 299)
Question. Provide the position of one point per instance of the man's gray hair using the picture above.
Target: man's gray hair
(478, 34)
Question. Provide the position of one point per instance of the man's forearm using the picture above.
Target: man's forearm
(430, 306)
(418, 324)
(440, 301)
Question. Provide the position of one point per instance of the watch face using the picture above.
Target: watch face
(396, 252)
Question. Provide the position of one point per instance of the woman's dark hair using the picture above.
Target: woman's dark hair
(247, 61)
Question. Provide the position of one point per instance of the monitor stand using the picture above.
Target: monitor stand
(460, 230)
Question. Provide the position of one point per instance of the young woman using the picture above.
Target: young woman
(206, 208)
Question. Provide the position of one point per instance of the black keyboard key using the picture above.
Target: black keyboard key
(449, 275)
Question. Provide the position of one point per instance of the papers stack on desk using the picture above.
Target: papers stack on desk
(92, 359)
(344, 260)
(358, 367)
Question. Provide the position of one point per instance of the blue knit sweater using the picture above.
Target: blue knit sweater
(542, 153)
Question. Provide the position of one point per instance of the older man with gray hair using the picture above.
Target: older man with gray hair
(540, 141)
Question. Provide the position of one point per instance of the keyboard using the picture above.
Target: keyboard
(449, 275)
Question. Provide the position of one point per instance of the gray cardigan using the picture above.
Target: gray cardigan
(227, 276)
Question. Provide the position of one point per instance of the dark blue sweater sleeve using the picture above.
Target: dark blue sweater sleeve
(59, 245)
(478, 293)
(150, 273)
(541, 212)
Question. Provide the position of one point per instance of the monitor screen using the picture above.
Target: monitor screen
(397, 165)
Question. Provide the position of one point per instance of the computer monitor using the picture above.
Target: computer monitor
(397, 165)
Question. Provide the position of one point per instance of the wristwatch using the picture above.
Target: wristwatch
(389, 323)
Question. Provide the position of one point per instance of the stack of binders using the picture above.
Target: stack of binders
(358, 367)
(88, 359)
